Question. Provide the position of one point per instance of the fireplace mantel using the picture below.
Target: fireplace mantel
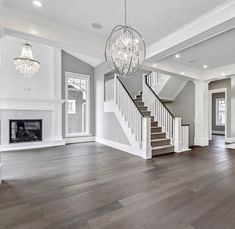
(7, 103)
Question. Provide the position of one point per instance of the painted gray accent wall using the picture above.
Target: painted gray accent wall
(73, 64)
(184, 106)
(226, 83)
(214, 97)
(134, 84)
(107, 125)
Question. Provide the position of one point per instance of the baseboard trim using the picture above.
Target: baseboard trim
(220, 132)
(34, 145)
(79, 139)
(229, 140)
(117, 145)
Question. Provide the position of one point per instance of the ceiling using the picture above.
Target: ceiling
(154, 19)
(216, 52)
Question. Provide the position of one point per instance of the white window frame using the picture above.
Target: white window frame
(217, 111)
(79, 76)
(73, 110)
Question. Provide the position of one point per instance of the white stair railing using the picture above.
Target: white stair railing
(158, 109)
(172, 126)
(157, 80)
(140, 126)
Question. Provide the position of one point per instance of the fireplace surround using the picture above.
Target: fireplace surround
(25, 130)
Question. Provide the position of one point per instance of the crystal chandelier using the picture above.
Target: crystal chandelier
(26, 64)
(125, 50)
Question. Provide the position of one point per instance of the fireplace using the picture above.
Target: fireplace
(25, 130)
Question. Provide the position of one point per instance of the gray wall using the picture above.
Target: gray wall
(72, 64)
(225, 83)
(107, 125)
(134, 84)
(184, 106)
(214, 97)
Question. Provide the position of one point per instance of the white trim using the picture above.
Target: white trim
(181, 87)
(79, 139)
(117, 145)
(88, 102)
(218, 132)
(217, 16)
(34, 145)
(210, 93)
(229, 140)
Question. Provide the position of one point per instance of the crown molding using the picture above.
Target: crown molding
(215, 17)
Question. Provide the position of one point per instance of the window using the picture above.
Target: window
(71, 106)
(220, 112)
(77, 100)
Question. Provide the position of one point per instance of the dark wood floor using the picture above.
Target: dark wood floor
(94, 186)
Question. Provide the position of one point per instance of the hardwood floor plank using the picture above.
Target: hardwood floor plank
(90, 186)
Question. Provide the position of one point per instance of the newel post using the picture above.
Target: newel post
(146, 138)
(178, 135)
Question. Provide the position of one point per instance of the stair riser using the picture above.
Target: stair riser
(160, 143)
(139, 103)
(162, 151)
(139, 97)
(144, 109)
(154, 124)
(156, 129)
(158, 136)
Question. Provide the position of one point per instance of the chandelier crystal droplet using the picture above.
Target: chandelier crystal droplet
(26, 64)
(125, 50)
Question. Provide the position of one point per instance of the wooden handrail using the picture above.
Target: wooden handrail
(146, 82)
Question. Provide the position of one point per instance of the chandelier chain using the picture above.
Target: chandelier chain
(125, 10)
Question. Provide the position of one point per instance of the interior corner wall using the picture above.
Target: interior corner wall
(226, 83)
(107, 124)
(184, 106)
(73, 64)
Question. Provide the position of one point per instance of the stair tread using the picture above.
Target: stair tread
(162, 147)
(160, 139)
(158, 133)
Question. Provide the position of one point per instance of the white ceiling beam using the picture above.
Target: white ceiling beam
(202, 24)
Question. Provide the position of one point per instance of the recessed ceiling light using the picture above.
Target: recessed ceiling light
(177, 56)
(205, 66)
(96, 25)
(37, 3)
(182, 73)
(154, 65)
(222, 74)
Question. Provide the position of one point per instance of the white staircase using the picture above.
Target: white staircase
(149, 126)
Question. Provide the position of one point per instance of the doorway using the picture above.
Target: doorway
(77, 104)
(218, 115)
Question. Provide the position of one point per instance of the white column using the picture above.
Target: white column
(146, 131)
(178, 135)
(201, 113)
(56, 87)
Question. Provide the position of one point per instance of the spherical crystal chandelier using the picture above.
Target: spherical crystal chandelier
(26, 64)
(125, 50)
